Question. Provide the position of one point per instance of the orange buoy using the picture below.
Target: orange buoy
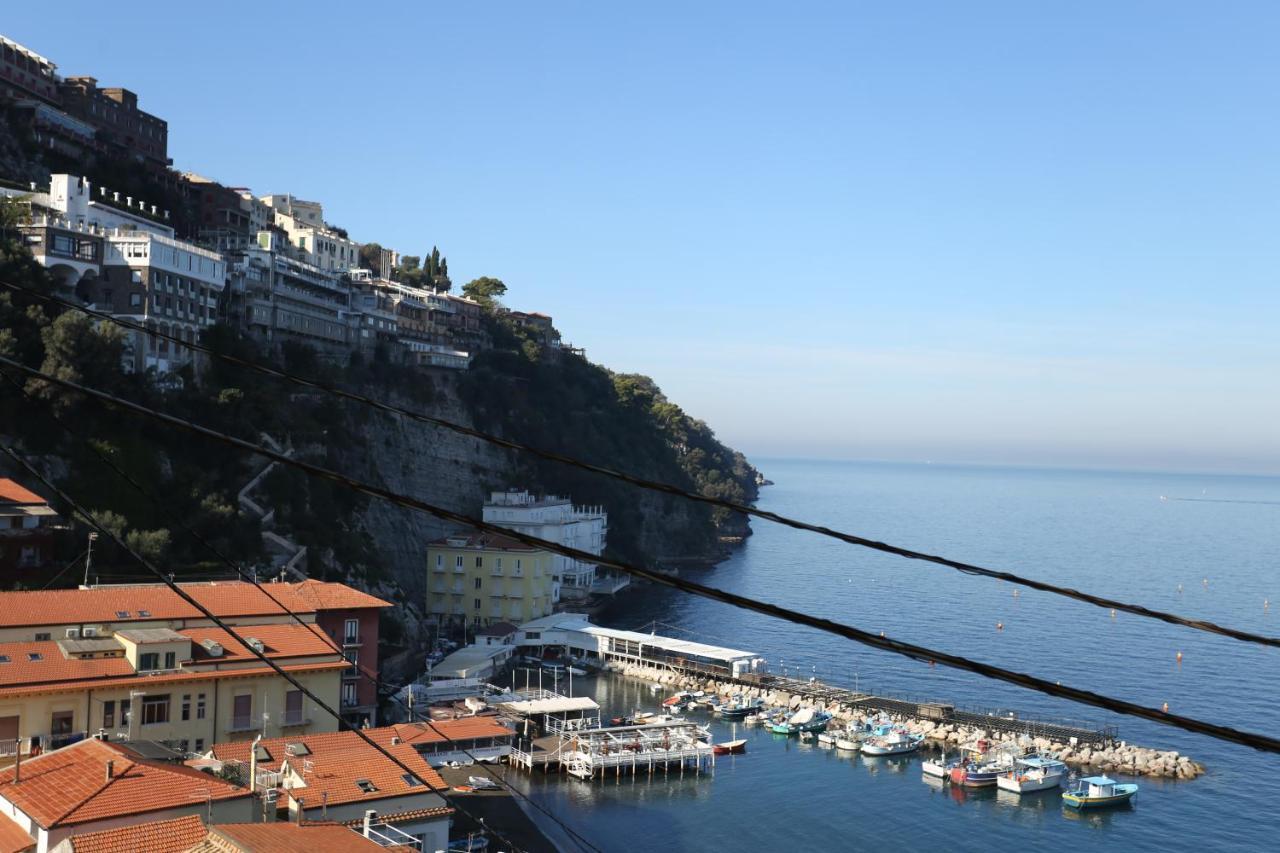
(1179, 657)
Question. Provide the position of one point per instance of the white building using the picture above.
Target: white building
(320, 244)
(557, 520)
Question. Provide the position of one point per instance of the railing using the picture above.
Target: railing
(387, 835)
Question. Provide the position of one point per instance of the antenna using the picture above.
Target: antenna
(88, 557)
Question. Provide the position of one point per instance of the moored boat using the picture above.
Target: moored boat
(1033, 773)
(730, 747)
(978, 767)
(895, 742)
(1093, 792)
(804, 720)
(848, 744)
(939, 767)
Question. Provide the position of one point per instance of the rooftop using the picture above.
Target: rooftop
(459, 664)
(147, 636)
(288, 838)
(71, 785)
(156, 602)
(13, 838)
(157, 836)
(578, 622)
(12, 493)
(482, 542)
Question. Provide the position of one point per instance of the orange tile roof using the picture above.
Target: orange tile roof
(465, 728)
(285, 640)
(13, 838)
(181, 677)
(337, 760)
(12, 493)
(292, 838)
(406, 816)
(70, 786)
(159, 836)
(52, 666)
(223, 598)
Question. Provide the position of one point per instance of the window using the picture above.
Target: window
(144, 613)
(34, 656)
(439, 561)
(477, 607)
(135, 276)
(155, 709)
(293, 708)
(366, 786)
(122, 614)
(200, 706)
(351, 631)
(411, 780)
(349, 694)
(186, 706)
(170, 660)
(533, 635)
(109, 714)
(497, 563)
(126, 712)
(148, 661)
(199, 744)
(478, 582)
(479, 562)
(135, 300)
(457, 561)
(352, 656)
(42, 636)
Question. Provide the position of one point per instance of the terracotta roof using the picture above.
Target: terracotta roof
(278, 641)
(464, 728)
(405, 816)
(160, 836)
(12, 493)
(179, 677)
(70, 786)
(337, 760)
(21, 669)
(159, 603)
(13, 838)
(483, 541)
(292, 838)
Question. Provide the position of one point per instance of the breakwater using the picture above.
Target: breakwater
(941, 725)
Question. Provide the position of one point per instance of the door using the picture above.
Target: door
(8, 735)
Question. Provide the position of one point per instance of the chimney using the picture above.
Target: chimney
(253, 764)
(300, 801)
(111, 769)
(17, 762)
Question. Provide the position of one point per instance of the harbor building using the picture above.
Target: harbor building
(138, 663)
(478, 578)
(557, 520)
(573, 635)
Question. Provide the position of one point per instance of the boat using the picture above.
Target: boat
(730, 747)
(644, 717)
(847, 744)
(1095, 792)
(895, 742)
(1030, 773)
(827, 739)
(939, 767)
(804, 720)
(752, 719)
(678, 699)
(482, 783)
(806, 736)
(739, 710)
(977, 768)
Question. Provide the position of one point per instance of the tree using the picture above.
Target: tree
(371, 257)
(410, 263)
(485, 290)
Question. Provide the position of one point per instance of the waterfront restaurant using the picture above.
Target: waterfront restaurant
(575, 636)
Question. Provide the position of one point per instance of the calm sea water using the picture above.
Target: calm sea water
(1099, 531)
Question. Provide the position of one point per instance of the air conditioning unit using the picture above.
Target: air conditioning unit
(212, 647)
(256, 643)
(73, 633)
(90, 631)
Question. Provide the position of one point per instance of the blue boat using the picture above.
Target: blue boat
(804, 720)
(1095, 792)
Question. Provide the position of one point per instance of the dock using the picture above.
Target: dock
(587, 753)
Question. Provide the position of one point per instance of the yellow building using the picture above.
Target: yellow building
(482, 578)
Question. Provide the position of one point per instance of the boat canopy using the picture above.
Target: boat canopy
(804, 715)
(1098, 780)
(1040, 761)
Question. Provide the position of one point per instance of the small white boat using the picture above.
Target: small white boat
(847, 744)
(751, 720)
(827, 739)
(938, 767)
(806, 736)
(1033, 773)
(895, 743)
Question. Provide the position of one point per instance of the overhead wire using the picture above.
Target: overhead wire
(667, 488)
(208, 614)
(867, 638)
(252, 579)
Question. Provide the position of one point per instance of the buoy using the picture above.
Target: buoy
(1205, 581)
(1016, 593)
(1179, 657)
(999, 626)
(882, 633)
(1266, 603)
(1166, 707)
(1113, 613)
(1179, 587)
(932, 663)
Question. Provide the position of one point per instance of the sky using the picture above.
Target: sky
(990, 232)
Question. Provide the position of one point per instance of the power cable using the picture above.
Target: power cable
(666, 488)
(65, 568)
(208, 614)
(916, 652)
(247, 577)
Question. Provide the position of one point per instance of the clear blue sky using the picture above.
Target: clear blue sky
(964, 231)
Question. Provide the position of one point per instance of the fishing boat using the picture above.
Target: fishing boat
(939, 767)
(848, 744)
(804, 720)
(752, 720)
(978, 768)
(730, 747)
(739, 710)
(1094, 792)
(895, 742)
(678, 699)
(827, 738)
(1030, 773)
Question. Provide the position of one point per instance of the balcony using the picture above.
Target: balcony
(294, 718)
(249, 723)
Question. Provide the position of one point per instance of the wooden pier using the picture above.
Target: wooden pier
(588, 753)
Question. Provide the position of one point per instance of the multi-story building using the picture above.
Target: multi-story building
(26, 531)
(114, 113)
(320, 244)
(122, 258)
(280, 298)
(224, 219)
(26, 74)
(556, 520)
(94, 786)
(140, 663)
(478, 578)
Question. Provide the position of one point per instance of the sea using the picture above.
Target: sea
(1204, 546)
